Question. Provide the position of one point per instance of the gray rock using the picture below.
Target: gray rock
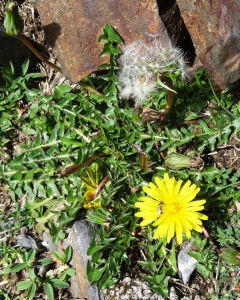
(79, 238)
(26, 241)
(48, 242)
(186, 263)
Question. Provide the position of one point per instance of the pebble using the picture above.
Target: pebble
(131, 289)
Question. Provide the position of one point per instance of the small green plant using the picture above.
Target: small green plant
(29, 264)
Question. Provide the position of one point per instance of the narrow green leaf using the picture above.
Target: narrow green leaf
(68, 253)
(24, 67)
(31, 254)
(49, 291)
(112, 35)
(46, 261)
(59, 255)
(18, 267)
(162, 289)
(54, 190)
(60, 284)
(60, 90)
(32, 291)
(68, 141)
(172, 259)
(7, 270)
(70, 272)
(93, 273)
(106, 280)
(203, 270)
(23, 285)
(195, 255)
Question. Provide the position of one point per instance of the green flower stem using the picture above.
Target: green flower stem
(131, 229)
(42, 203)
(45, 145)
(219, 102)
(226, 186)
(89, 119)
(65, 110)
(170, 95)
(156, 137)
(89, 88)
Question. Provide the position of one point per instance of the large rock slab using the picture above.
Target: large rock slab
(79, 238)
(73, 27)
(214, 27)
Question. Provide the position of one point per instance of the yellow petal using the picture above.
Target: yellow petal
(146, 214)
(179, 232)
(152, 191)
(145, 206)
(146, 222)
(171, 230)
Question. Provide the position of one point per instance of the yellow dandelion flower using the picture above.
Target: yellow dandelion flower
(171, 208)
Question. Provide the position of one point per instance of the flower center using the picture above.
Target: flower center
(171, 209)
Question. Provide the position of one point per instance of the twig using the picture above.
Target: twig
(100, 186)
(74, 168)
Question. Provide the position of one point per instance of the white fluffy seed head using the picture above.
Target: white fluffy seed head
(141, 61)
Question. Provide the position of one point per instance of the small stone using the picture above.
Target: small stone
(121, 289)
(138, 291)
(137, 282)
(129, 291)
(111, 293)
(80, 237)
(145, 286)
(26, 241)
(105, 292)
(187, 298)
(173, 294)
(147, 292)
(145, 297)
(127, 280)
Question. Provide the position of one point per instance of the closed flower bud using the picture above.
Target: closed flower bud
(177, 161)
